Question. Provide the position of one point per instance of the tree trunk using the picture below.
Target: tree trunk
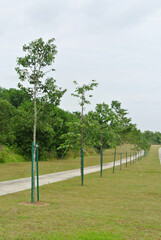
(82, 155)
(101, 140)
(82, 120)
(34, 140)
(101, 155)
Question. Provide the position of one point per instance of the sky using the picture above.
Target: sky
(115, 42)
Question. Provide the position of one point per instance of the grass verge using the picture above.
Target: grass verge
(121, 206)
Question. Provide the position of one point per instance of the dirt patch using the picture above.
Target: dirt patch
(34, 204)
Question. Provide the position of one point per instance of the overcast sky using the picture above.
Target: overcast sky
(115, 42)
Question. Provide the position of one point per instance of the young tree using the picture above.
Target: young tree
(71, 139)
(101, 132)
(123, 124)
(81, 92)
(33, 67)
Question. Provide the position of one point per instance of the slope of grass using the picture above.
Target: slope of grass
(121, 206)
(8, 156)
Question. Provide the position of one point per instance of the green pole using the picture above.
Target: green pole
(130, 158)
(101, 162)
(114, 161)
(32, 172)
(133, 157)
(138, 156)
(126, 159)
(37, 160)
(82, 166)
(120, 160)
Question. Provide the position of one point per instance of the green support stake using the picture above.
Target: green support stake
(120, 160)
(133, 157)
(101, 162)
(130, 158)
(138, 156)
(82, 166)
(32, 179)
(37, 161)
(126, 159)
(114, 162)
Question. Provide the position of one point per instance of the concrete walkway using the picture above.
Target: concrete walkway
(25, 183)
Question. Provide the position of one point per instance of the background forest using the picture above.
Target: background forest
(59, 131)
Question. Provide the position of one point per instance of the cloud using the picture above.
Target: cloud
(115, 42)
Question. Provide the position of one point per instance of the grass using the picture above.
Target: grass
(15, 170)
(121, 206)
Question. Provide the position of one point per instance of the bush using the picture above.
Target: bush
(7, 155)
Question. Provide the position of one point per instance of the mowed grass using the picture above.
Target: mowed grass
(10, 171)
(121, 206)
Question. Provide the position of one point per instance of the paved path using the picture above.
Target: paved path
(25, 183)
(160, 154)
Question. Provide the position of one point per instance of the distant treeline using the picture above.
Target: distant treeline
(59, 131)
(153, 137)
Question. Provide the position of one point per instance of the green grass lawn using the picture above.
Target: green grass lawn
(121, 206)
(9, 171)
